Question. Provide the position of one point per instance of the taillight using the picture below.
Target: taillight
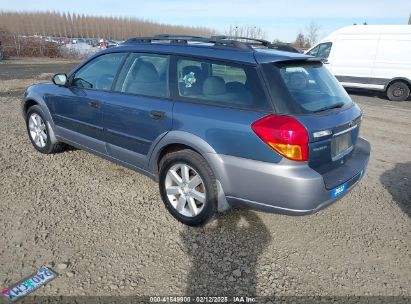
(284, 134)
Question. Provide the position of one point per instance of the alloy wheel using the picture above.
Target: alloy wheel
(38, 130)
(185, 190)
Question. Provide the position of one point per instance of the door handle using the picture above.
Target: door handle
(156, 115)
(94, 104)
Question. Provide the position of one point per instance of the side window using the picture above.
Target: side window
(313, 51)
(324, 50)
(229, 73)
(99, 73)
(220, 83)
(187, 64)
(144, 74)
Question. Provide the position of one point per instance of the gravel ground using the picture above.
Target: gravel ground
(105, 230)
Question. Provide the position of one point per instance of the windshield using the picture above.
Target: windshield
(305, 87)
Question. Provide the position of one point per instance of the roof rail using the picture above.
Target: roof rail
(253, 41)
(165, 37)
(168, 36)
(261, 42)
(219, 41)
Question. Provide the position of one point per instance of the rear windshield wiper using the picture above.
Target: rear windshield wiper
(333, 106)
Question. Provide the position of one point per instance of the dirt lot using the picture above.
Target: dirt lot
(105, 230)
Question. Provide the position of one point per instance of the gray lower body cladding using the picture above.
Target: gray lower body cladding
(286, 187)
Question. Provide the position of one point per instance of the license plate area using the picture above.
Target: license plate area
(341, 145)
(338, 190)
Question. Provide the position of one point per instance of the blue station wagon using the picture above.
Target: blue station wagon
(218, 122)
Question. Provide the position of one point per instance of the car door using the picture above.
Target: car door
(77, 108)
(140, 112)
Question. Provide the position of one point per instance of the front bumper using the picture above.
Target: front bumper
(286, 187)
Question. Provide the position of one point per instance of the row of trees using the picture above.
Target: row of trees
(83, 26)
(15, 25)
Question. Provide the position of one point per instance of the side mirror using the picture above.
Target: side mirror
(60, 79)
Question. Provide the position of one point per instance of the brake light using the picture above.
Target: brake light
(284, 134)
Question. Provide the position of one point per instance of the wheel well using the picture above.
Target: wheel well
(28, 104)
(403, 80)
(169, 149)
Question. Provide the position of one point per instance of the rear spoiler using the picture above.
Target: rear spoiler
(302, 61)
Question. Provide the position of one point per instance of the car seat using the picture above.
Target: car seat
(105, 82)
(242, 92)
(146, 81)
(296, 80)
(214, 89)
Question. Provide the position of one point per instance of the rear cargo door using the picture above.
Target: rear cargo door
(333, 137)
(307, 91)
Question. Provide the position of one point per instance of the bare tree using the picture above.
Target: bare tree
(300, 41)
(409, 19)
(313, 30)
(249, 31)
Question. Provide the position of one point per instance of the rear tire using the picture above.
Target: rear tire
(39, 132)
(190, 197)
(398, 91)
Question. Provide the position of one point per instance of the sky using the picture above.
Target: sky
(279, 19)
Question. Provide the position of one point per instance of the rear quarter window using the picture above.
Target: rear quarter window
(220, 83)
(229, 73)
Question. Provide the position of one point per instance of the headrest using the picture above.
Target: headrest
(214, 85)
(297, 81)
(145, 72)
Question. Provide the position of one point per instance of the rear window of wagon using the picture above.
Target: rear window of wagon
(305, 87)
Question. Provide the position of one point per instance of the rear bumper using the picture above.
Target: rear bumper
(286, 187)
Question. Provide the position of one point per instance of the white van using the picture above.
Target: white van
(376, 57)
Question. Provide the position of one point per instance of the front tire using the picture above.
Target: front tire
(188, 187)
(398, 91)
(39, 132)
